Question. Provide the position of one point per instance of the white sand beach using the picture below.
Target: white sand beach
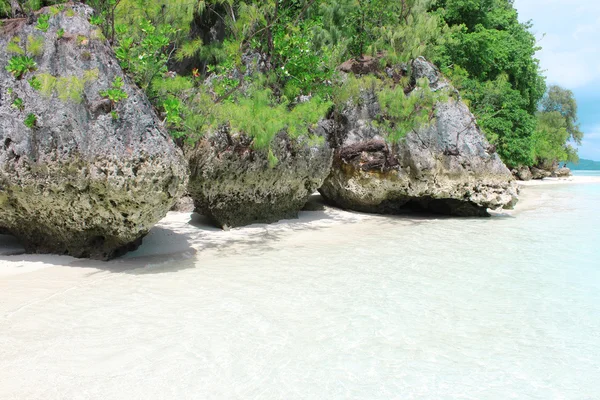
(561, 181)
(182, 235)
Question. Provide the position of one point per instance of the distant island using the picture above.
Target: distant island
(584, 165)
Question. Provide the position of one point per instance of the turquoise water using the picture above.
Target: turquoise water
(378, 308)
(586, 173)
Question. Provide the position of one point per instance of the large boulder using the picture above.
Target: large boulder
(80, 174)
(563, 172)
(522, 173)
(445, 167)
(539, 173)
(235, 184)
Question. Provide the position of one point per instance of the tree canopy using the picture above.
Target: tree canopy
(170, 47)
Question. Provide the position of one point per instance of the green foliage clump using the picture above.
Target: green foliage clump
(400, 112)
(18, 103)
(35, 45)
(404, 113)
(35, 83)
(479, 44)
(97, 20)
(91, 75)
(563, 101)
(269, 117)
(556, 127)
(491, 59)
(116, 93)
(43, 22)
(13, 46)
(20, 65)
(67, 88)
(60, 33)
(145, 55)
(47, 84)
(54, 10)
(550, 138)
(30, 121)
(25, 6)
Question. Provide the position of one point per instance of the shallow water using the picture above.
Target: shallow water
(361, 308)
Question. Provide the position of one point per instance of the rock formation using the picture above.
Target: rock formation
(235, 185)
(541, 171)
(447, 167)
(522, 173)
(86, 168)
(563, 172)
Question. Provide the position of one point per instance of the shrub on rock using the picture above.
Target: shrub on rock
(406, 141)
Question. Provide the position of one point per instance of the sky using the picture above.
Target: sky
(569, 33)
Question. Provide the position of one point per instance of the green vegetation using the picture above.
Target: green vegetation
(67, 88)
(96, 20)
(13, 46)
(20, 65)
(23, 6)
(35, 83)
(30, 121)
(70, 88)
(116, 93)
(43, 22)
(557, 127)
(400, 113)
(296, 47)
(269, 116)
(18, 103)
(490, 57)
(35, 45)
(403, 114)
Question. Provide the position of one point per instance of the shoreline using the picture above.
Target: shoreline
(575, 179)
(184, 236)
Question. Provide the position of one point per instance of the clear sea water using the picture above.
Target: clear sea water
(586, 173)
(375, 308)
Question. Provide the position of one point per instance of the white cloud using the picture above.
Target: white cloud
(570, 52)
(590, 145)
(593, 133)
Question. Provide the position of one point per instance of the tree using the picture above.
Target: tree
(563, 101)
(491, 57)
(556, 126)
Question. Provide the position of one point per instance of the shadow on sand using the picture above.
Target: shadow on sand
(178, 241)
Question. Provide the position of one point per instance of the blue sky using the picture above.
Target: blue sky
(569, 33)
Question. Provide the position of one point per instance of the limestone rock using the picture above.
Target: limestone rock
(563, 172)
(522, 173)
(80, 179)
(538, 173)
(447, 167)
(235, 185)
(184, 204)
